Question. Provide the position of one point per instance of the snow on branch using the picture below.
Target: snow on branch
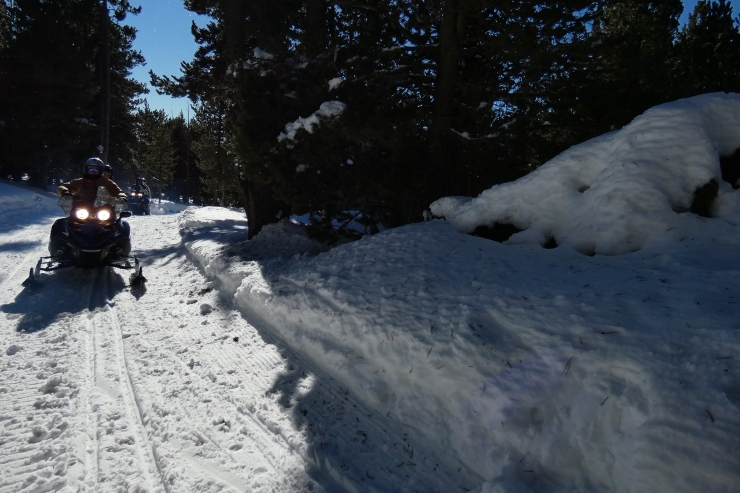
(327, 109)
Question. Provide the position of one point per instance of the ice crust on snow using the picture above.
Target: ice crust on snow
(620, 191)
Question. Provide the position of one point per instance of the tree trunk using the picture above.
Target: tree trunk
(450, 36)
(105, 81)
(258, 200)
(315, 39)
(263, 208)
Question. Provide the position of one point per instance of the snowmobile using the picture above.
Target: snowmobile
(93, 235)
(138, 202)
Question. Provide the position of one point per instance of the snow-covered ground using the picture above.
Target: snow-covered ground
(419, 359)
(159, 207)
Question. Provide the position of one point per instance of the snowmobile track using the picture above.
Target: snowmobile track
(92, 457)
(110, 382)
(133, 406)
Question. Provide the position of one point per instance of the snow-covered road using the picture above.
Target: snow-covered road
(119, 390)
(168, 388)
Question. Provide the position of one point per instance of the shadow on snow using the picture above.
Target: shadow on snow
(66, 291)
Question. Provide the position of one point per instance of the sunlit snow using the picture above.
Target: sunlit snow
(418, 359)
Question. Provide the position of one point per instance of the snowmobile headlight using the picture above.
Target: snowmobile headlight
(82, 214)
(141, 195)
(133, 194)
(103, 215)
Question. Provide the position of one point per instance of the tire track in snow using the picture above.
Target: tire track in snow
(122, 455)
(92, 451)
(146, 447)
(28, 262)
(371, 446)
(207, 439)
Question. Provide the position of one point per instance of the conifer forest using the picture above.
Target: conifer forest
(364, 110)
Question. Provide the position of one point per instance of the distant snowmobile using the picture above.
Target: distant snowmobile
(91, 236)
(138, 202)
(139, 197)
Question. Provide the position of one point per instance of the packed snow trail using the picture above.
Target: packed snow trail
(167, 388)
(89, 383)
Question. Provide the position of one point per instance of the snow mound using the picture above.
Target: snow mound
(618, 192)
(217, 238)
(17, 198)
(194, 218)
(166, 207)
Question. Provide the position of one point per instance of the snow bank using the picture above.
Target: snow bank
(620, 191)
(201, 218)
(534, 369)
(17, 199)
(530, 368)
(166, 207)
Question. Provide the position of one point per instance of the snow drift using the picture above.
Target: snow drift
(620, 191)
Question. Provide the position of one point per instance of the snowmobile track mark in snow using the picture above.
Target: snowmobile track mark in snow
(92, 455)
(22, 265)
(133, 407)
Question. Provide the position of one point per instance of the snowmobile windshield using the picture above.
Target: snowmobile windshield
(119, 204)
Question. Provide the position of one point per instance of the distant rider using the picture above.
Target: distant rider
(142, 187)
(86, 188)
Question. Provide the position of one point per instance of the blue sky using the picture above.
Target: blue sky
(165, 41)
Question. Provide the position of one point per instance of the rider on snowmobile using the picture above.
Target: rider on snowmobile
(142, 187)
(140, 197)
(85, 195)
(86, 188)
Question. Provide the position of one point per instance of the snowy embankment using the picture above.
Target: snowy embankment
(14, 200)
(536, 369)
(159, 207)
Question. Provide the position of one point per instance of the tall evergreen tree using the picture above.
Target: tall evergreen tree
(708, 50)
(4, 26)
(50, 94)
(186, 181)
(439, 97)
(153, 155)
(219, 170)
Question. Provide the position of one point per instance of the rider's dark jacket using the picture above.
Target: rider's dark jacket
(143, 189)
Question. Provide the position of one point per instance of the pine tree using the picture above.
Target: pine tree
(186, 181)
(48, 85)
(4, 26)
(217, 167)
(626, 66)
(153, 154)
(50, 90)
(708, 50)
